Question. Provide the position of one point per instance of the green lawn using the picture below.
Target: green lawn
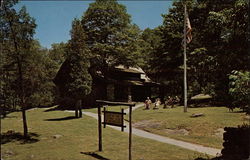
(202, 130)
(109, 108)
(79, 140)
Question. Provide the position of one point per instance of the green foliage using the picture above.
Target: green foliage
(110, 36)
(215, 50)
(240, 89)
(58, 53)
(79, 79)
(200, 63)
(149, 42)
(166, 59)
(220, 35)
(38, 75)
(27, 68)
(17, 30)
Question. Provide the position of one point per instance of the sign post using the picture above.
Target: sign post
(130, 132)
(115, 119)
(100, 127)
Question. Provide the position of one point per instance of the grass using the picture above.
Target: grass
(109, 108)
(201, 129)
(79, 140)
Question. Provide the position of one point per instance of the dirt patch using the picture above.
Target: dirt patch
(177, 131)
(147, 124)
(8, 154)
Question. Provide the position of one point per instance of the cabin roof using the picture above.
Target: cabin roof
(130, 69)
(143, 79)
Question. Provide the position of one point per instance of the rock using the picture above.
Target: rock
(8, 153)
(247, 117)
(218, 154)
(183, 131)
(219, 132)
(197, 115)
(57, 136)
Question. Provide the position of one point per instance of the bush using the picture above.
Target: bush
(239, 89)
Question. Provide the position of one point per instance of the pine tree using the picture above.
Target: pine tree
(80, 80)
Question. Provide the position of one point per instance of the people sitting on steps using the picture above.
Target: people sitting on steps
(170, 101)
(148, 103)
(157, 103)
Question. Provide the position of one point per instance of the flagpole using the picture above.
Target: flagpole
(1, 7)
(185, 58)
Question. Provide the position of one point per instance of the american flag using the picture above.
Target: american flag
(189, 29)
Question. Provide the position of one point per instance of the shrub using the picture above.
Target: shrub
(239, 89)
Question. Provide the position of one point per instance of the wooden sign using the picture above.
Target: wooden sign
(114, 118)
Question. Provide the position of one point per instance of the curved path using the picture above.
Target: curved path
(144, 134)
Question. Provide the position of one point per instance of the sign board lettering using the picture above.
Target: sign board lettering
(114, 118)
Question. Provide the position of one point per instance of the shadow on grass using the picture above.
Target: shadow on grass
(95, 155)
(12, 136)
(63, 108)
(237, 112)
(62, 119)
(216, 158)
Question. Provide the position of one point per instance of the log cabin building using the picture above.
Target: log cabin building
(118, 85)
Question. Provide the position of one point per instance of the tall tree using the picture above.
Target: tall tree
(166, 62)
(79, 57)
(223, 34)
(219, 43)
(58, 53)
(110, 35)
(240, 90)
(38, 75)
(18, 29)
(76, 77)
(150, 41)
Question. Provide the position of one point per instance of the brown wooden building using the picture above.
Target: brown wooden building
(119, 83)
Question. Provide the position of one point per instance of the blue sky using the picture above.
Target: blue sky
(53, 18)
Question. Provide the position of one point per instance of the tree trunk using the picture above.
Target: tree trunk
(25, 127)
(76, 110)
(3, 109)
(80, 107)
(20, 76)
